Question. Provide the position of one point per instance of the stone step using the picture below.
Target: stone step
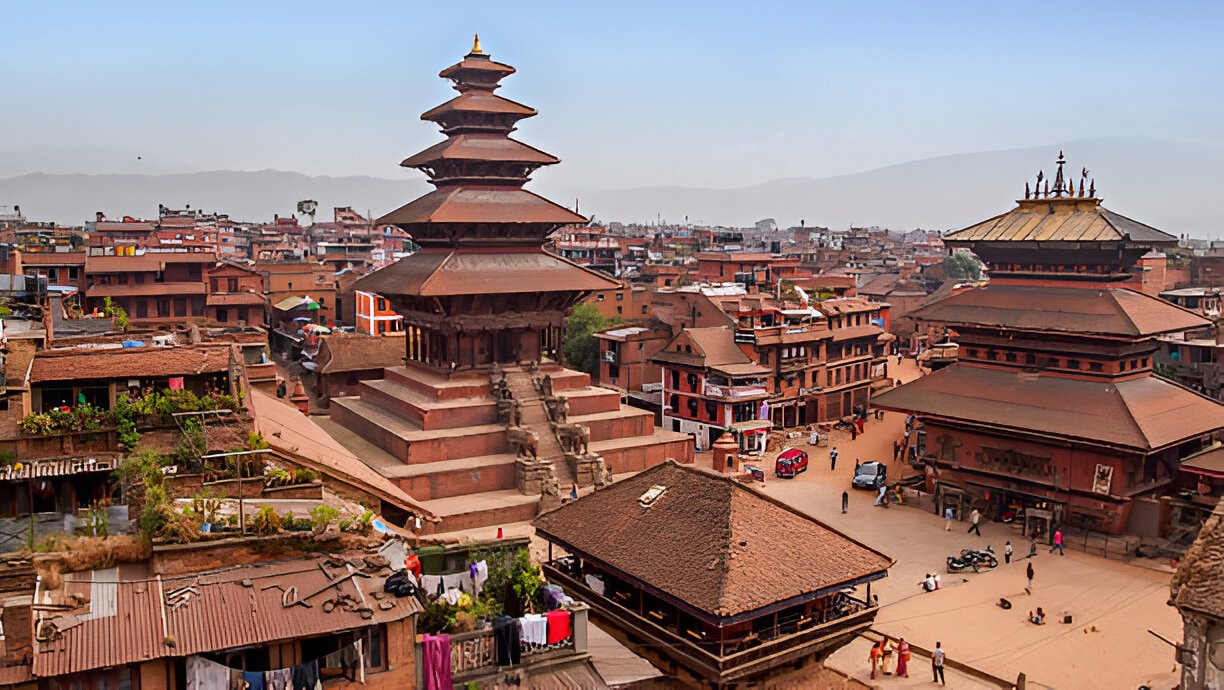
(439, 386)
(462, 476)
(410, 443)
(485, 509)
(638, 453)
(425, 411)
(622, 423)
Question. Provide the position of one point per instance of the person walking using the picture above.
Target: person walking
(1028, 573)
(854, 431)
(845, 501)
(833, 459)
(896, 450)
(889, 658)
(861, 422)
(974, 517)
(1007, 552)
(937, 664)
(1058, 543)
(877, 651)
(903, 657)
(948, 515)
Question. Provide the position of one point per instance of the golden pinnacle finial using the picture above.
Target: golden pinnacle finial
(476, 46)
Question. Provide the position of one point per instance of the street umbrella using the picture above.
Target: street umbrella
(312, 306)
(302, 319)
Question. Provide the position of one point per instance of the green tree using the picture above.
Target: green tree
(962, 266)
(581, 349)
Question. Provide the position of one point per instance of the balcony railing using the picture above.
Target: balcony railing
(738, 658)
(474, 654)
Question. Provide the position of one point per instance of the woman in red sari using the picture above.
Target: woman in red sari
(903, 657)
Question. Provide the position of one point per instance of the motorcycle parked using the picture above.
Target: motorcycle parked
(984, 557)
(957, 564)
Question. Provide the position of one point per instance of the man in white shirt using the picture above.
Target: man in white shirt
(937, 664)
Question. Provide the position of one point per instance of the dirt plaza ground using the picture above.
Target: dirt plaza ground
(1113, 604)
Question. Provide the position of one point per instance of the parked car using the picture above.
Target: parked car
(791, 462)
(870, 475)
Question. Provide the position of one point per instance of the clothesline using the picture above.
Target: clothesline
(206, 674)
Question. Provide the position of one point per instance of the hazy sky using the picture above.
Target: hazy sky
(629, 93)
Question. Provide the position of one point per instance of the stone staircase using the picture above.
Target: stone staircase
(439, 438)
(535, 418)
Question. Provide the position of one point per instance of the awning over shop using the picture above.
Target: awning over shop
(752, 426)
(290, 303)
(1208, 463)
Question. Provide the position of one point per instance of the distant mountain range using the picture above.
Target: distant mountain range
(1173, 185)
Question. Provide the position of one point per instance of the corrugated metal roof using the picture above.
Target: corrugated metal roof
(55, 468)
(206, 612)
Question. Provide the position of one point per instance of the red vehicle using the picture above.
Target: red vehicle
(790, 463)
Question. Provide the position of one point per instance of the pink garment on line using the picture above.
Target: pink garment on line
(437, 662)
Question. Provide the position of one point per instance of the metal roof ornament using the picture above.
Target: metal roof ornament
(1026, 190)
(476, 46)
(1092, 189)
(1059, 184)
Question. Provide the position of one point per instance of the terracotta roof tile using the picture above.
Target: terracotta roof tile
(339, 353)
(1142, 414)
(468, 205)
(712, 543)
(483, 147)
(121, 363)
(1111, 311)
(481, 102)
(466, 272)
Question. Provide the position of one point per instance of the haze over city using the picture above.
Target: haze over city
(632, 95)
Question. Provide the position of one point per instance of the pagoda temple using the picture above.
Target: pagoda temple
(1053, 410)
(482, 404)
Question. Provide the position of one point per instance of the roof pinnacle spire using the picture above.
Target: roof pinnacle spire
(1059, 184)
(476, 46)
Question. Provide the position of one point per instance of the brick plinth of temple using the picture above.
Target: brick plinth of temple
(439, 438)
